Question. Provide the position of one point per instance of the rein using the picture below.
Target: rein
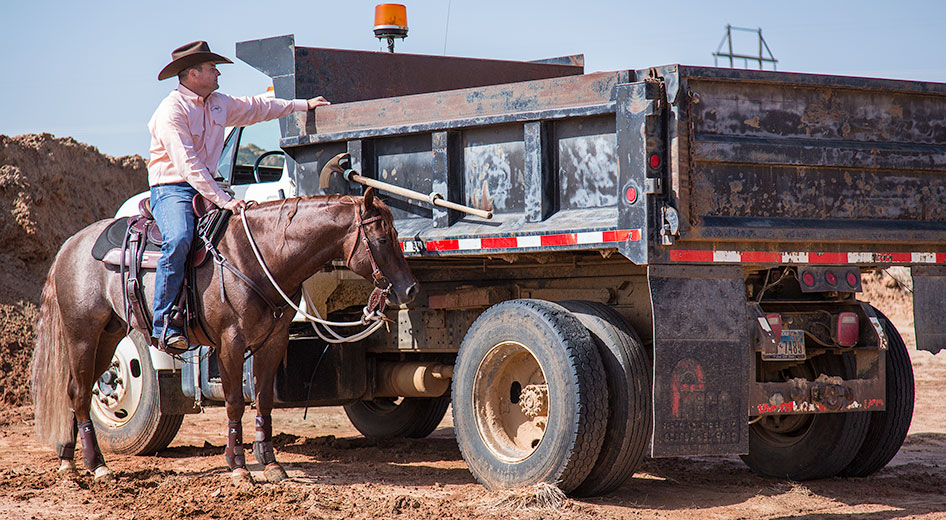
(371, 312)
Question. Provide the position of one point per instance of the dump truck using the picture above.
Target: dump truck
(671, 266)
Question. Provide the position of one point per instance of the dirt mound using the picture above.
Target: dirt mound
(49, 188)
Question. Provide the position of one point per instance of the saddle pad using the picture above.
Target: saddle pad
(108, 246)
(112, 238)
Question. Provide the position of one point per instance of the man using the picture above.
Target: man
(187, 134)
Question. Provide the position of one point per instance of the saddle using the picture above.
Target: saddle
(133, 244)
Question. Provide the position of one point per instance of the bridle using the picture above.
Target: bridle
(380, 281)
(378, 299)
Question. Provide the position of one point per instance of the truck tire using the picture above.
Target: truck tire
(628, 373)
(529, 397)
(812, 446)
(889, 428)
(126, 409)
(384, 418)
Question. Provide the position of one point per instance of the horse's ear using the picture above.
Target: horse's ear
(369, 197)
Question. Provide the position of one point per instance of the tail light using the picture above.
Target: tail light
(847, 329)
(831, 278)
(808, 279)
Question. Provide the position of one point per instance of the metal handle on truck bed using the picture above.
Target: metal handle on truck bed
(341, 164)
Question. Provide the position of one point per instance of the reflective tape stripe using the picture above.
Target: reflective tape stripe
(801, 257)
(522, 242)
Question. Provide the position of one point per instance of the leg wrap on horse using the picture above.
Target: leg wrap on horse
(234, 453)
(67, 451)
(91, 454)
(263, 447)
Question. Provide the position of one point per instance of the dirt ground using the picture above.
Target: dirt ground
(335, 473)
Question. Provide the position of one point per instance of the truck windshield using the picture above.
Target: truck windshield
(248, 144)
(255, 141)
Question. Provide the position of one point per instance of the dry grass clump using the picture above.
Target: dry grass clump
(537, 497)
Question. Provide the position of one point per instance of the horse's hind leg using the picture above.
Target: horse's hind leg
(67, 452)
(265, 362)
(88, 363)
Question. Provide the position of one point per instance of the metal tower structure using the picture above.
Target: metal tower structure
(764, 55)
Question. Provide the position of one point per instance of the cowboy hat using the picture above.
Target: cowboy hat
(189, 55)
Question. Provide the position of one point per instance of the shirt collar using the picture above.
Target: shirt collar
(189, 94)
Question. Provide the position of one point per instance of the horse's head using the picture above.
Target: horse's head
(376, 254)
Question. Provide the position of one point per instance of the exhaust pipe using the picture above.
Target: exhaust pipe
(413, 379)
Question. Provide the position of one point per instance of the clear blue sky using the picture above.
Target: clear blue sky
(89, 69)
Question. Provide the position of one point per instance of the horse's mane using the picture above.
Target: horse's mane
(321, 201)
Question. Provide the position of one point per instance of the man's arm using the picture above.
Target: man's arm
(243, 111)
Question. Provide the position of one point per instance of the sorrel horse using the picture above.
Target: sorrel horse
(81, 318)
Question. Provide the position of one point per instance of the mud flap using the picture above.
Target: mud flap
(701, 360)
(929, 285)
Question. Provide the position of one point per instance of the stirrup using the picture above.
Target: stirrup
(160, 344)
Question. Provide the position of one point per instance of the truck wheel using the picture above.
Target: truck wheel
(126, 407)
(529, 397)
(385, 418)
(887, 429)
(812, 446)
(628, 374)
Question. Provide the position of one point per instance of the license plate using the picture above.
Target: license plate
(791, 346)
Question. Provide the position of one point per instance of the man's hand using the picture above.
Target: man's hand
(235, 205)
(317, 102)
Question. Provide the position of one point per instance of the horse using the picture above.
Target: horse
(81, 318)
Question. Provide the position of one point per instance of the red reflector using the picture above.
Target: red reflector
(775, 321)
(654, 160)
(831, 278)
(848, 328)
(631, 195)
(852, 279)
(808, 278)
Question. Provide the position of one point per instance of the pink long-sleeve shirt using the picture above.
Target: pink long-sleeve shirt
(187, 135)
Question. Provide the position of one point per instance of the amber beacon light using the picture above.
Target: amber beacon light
(390, 22)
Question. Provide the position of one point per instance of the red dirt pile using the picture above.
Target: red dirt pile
(49, 188)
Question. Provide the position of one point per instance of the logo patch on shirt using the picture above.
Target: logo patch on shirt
(215, 108)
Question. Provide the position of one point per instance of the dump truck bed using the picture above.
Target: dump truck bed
(762, 167)
(800, 162)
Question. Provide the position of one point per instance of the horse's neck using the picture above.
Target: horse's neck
(299, 236)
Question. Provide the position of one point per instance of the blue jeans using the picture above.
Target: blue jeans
(172, 210)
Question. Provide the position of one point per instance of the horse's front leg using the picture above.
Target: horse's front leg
(230, 362)
(265, 362)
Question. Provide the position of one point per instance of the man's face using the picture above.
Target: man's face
(204, 78)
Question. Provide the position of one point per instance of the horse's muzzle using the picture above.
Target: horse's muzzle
(404, 297)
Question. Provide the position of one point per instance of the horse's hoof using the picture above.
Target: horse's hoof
(241, 478)
(274, 472)
(103, 474)
(67, 469)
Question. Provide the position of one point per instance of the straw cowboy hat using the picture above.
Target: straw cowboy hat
(189, 55)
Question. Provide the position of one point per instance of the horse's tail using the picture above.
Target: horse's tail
(50, 370)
